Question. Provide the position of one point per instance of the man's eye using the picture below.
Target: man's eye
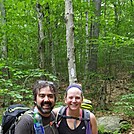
(41, 95)
(50, 95)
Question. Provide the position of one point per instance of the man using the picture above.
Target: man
(43, 120)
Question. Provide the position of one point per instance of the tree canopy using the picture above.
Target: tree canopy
(103, 40)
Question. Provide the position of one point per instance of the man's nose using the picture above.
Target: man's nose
(46, 98)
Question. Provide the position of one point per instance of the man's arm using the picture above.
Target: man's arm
(25, 125)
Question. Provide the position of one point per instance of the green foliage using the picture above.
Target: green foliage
(18, 87)
(101, 130)
(126, 104)
(58, 104)
(1, 111)
(125, 126)
(115, 45)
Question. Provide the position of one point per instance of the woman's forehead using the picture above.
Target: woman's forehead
(74, 90)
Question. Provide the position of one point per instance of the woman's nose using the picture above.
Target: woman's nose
(73, 100)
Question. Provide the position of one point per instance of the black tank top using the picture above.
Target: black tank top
(63, 127)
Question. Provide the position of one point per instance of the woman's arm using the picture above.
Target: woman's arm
(93, 123)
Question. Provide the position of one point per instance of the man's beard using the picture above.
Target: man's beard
(45, 111)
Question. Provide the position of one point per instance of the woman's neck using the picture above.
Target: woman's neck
(75, 113)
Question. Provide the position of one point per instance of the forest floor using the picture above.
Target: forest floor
(119, 88)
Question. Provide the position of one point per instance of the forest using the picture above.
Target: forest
(90, 42)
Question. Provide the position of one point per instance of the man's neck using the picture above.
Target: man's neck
(42, 114)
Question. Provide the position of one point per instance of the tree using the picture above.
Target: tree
(70, 41)
(106, 41)
(40, 16)
(3, 22)
(94, 35)
(4, 51)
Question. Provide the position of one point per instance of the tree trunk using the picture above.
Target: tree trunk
(94, 35)
(41, 35)
(70, 41)
(4, 48)
(87, 48)
(103, 94)
(51, 43)
(4, 38)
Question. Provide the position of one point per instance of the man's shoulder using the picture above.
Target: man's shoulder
(28, 117)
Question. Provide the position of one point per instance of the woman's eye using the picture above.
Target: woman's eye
(77, 98)
(70, 97)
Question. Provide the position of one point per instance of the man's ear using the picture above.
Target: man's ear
(35, 103)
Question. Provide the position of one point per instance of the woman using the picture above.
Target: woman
(70, 123)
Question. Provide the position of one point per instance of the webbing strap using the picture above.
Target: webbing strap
(17, 108)
(86, 118)
(77, 118)
(88, 128)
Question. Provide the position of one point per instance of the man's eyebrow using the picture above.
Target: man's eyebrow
(46, 94)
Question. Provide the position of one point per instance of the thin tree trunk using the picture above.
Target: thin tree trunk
(41, 35)
(51, 43)
(87, 46)
(4, 50)
(94, 35)
(105, 9)
(4, 47)
(131, 2)
(70, 41)
(4, 38)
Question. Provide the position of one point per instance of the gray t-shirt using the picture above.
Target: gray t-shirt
(26, 125)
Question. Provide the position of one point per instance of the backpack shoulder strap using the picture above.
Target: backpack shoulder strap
(60, 114)
(86, 116)
(51, 122)
(87, 121)
(30, 113)
(53, 114)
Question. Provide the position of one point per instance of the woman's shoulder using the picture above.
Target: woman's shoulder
(56, 110)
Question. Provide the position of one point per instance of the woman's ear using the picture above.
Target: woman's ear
(65, 100)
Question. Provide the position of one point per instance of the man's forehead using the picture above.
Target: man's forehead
(45, 91)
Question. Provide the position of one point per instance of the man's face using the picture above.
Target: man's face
(45, 99)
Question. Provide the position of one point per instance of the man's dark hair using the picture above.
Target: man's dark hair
(41, 84)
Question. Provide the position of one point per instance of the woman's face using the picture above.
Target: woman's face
(74, 98)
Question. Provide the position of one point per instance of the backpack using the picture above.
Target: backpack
(87, 104)
(11, 116)
(86, 118)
